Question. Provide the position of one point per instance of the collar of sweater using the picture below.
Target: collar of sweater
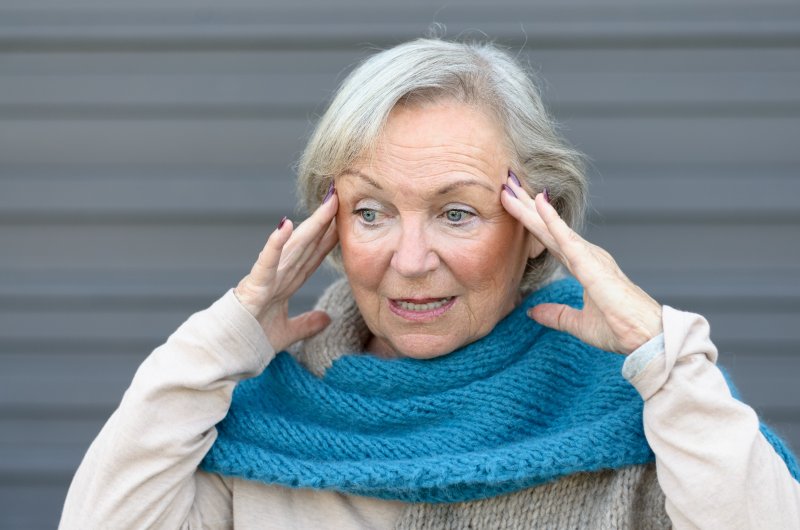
(524, 405)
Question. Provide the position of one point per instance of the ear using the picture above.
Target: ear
(535, 247)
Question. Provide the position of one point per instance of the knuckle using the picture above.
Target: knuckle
(562, 318)
(605, 257)
(573, 237)
(601, 252)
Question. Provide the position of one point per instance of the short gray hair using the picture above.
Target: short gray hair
(478, 74)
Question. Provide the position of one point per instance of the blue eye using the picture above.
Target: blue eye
(367, 215)
(457, 216)
(370, 217)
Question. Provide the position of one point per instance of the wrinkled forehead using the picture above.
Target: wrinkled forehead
(430, 188)
(436, 142)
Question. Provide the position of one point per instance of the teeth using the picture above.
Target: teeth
(423, 307)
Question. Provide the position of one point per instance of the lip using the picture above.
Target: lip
(420, 316)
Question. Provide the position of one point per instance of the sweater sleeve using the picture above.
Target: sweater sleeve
(714, 465)
(142, 469)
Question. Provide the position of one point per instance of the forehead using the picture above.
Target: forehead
(435, 142)
(441, 122)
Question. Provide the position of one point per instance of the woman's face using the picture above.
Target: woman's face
(433, 258)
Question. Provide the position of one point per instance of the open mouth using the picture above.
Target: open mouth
(421, 309)
(410, 306)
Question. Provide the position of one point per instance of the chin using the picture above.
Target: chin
(421, 347)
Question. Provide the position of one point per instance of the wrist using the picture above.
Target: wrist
(643, 322)
(650, 326)
(245, 301)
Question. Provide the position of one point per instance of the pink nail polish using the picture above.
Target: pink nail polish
(509, 190)
(513, 177)
(546, 195)
(328, 195)
(280, 225)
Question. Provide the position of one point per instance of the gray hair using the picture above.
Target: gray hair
(477, 74)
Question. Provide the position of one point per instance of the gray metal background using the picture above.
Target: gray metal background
(146, 151)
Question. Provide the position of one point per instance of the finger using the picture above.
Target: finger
(575, 252)
(269, 257)
(312, 262)
(557, 316)
(321, 217)
(305, 246)
(587, 262)
(565, 237)
(522, 207)
(311, 248)
(306, 325)
(322, 248)
(309, 231)
(521, 193)
(317, 223)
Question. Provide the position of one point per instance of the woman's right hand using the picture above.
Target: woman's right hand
(287, 260)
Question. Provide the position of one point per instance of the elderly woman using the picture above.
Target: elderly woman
(455, 377)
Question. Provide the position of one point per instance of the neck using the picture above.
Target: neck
(380, 349)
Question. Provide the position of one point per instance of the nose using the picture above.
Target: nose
(414, 255)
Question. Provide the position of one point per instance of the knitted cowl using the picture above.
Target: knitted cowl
(522, 406)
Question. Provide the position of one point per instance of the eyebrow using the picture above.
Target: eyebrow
(462, 183)
(448, 188)
(362, 176)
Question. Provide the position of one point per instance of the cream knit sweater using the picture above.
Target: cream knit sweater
(714, 466)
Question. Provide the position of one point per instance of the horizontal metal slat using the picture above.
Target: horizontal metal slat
(345, 24)
(32, 506)
(302, 93)
(275, 144)
(628, 193)
(198, 246)
(564, 64)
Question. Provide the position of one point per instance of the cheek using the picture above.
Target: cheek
(494, 258)
(363, 258)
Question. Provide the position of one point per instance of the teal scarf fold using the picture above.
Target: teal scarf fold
(522, 406)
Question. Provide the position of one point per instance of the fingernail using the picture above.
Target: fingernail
(509, 190)
(546, 195)
(280, 225)
(328, 195)
(513, 177)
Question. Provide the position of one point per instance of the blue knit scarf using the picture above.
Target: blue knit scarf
(522, 406)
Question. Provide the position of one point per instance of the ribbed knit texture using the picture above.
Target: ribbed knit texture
(625, 499)
(522, 406)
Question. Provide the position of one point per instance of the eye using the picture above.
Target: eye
(367, 215)
(370, 214)
(458, 217)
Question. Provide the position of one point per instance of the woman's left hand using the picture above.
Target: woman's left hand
(617, 315)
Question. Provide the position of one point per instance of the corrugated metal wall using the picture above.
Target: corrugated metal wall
(145, 152)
